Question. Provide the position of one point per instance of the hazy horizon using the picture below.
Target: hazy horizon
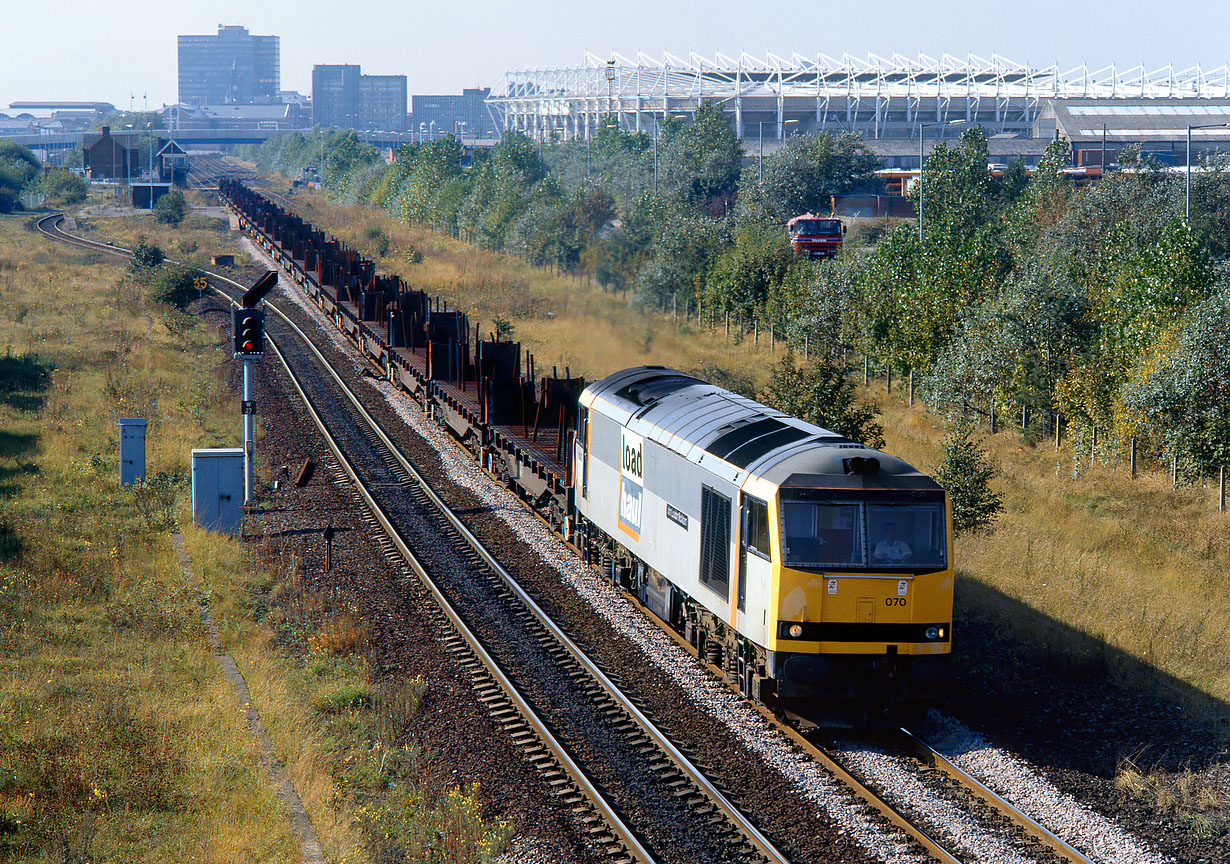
(89, 53)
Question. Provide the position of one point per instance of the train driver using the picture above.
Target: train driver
(891, 549)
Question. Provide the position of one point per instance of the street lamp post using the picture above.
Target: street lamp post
(610, 79)
(1187, 169)
(922, 135)
(128, 159)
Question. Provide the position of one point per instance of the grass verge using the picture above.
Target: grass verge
(119, 738)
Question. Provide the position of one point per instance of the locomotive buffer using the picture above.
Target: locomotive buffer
(248, 344)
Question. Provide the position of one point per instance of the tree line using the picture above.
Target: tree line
(1104, 304)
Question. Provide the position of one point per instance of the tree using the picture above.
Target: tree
(19, 167)
(701, 160)
(1180, 396)
(171, 208)
(807, 170)
(744, 275)
(822, 392)
(966, 474)
(64, 187)
(145, 256)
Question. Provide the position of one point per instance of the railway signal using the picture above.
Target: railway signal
(248, 328)
(248, 332)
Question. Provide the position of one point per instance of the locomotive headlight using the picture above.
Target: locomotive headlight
(932, 633)
(796, 630)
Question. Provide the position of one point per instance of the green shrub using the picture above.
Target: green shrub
(64, 187)
(145, 256)
(171, 208)
(822, 392)
(966, 474)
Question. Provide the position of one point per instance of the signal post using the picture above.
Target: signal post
(248, 338)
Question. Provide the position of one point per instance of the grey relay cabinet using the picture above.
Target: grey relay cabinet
(217, 489)
(132, 450)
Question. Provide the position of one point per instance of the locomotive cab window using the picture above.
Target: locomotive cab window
(756, 526)
(821, 534)
(906, 535)
(863, 535)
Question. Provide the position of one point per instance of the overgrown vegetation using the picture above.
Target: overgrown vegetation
(171, 208)
(119, 737)
(822, 392)
(1021, 290)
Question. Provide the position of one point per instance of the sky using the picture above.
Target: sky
(77, 50)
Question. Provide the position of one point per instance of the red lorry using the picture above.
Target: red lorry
(816, 236)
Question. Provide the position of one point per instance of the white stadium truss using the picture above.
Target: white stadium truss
(882, 97)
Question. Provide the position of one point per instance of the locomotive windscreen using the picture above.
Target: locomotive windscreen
(864, 535)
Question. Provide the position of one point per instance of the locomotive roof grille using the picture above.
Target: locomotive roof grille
(765, 444)
(728, 442)
(646, 391)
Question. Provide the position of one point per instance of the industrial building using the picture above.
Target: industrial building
(1100, 128)
(279, 117)
(466, 114)
(345, 98)
(232, 68)
(891, 102)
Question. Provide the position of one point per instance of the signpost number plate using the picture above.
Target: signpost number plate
(249, 406)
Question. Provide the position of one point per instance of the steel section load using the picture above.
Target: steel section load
(813, 571)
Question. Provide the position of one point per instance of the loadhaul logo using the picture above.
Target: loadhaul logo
(631, 482)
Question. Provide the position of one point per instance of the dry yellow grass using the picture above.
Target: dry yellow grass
(281, 688)
(118, 737)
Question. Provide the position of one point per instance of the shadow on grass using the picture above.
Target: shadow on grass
(14, 444)
(1069, 700)
(22, 380)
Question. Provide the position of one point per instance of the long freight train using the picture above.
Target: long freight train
(814, 571)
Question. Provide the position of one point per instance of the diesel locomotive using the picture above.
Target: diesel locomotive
(813, 570)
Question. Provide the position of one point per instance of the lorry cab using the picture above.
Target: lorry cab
(816, 236)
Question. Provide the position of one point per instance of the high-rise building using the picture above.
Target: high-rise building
(344, 97)
(335, 96)
(382, 102)
(232, 68)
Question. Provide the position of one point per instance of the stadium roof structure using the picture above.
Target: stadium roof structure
(880, 96)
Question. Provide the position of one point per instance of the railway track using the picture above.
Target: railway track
(631, 767)
(508, 652)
